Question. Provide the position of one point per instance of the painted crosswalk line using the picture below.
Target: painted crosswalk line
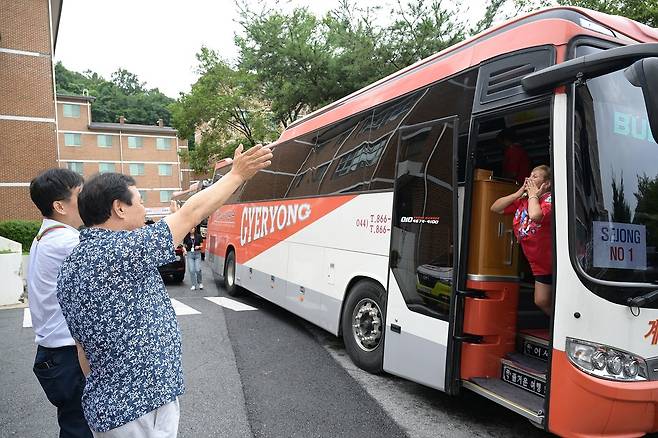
(27, 318)
(183, 309)
(179, 307)
(230, 304)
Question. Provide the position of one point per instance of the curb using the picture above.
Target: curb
(14, 306)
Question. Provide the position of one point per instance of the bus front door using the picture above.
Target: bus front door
(423, 253)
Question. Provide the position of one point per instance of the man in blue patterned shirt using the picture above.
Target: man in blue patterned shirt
(117, 308)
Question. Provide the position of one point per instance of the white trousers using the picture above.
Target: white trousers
(159, 423)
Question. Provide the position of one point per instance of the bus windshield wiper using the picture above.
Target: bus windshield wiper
(643, 300)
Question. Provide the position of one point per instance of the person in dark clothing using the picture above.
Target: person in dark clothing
(192, 249)
(516, 164)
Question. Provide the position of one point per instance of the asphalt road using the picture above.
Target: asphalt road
(264, 373)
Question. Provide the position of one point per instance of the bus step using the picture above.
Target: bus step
(534, 343)
(529, 405)
(525, 373)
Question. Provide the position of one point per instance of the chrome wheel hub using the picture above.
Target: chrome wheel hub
(367, 324)
(230, 274)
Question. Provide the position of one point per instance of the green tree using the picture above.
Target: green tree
(289, 56)
(646, 211)
(420, 30)
(303, 62)
(224, 105)
(643, 11)
(125, 96)
(127, 82)
(621, 212)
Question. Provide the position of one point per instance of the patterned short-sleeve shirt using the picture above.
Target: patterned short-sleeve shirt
(116, 305)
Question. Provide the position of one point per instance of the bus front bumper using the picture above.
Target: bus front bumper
(586, 406)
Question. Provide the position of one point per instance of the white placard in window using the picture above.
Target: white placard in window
(619, 245)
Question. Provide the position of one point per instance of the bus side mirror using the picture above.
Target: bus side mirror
(644, 74)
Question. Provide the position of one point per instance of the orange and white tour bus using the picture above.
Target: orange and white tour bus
(374, 222)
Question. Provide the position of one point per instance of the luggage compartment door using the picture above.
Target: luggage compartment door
(423, 253)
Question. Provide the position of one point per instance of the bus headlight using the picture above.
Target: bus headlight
(631, 368)
(598, 360)
(606, 362)
(614, 363)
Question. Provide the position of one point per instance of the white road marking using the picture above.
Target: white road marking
(179, 308)
(183, 309)
(230, 304)
(27, 318)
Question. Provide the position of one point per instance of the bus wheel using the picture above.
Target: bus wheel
(363, 326)
(229, 275)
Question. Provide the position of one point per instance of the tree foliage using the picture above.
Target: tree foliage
(621, 211)
(224, 106)
(124, 96)
(643, 11)
(646, 211)
(304, 62)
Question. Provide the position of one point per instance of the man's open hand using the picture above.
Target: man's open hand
(247, 164)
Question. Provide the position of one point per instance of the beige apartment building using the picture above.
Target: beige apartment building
(28, 119)
(148, 153)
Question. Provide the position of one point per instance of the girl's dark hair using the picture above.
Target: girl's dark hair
(98, 194)
(53, 185)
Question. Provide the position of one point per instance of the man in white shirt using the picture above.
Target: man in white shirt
(55, 193)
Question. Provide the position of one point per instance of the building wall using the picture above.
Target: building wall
(28, 141)
(91, 155)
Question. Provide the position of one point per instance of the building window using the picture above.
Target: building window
(136, 169)
(142, 194)
(72, 139)
(163, 144)
(165, 195)
(104, 141)
(75, 166)
(106, 167)
(72, 111)
(135, 142)
(164, 169)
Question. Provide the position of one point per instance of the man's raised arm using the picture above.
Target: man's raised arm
(204, 203)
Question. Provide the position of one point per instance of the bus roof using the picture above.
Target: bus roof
(553, 26)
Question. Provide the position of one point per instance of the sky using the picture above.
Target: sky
(158, 39)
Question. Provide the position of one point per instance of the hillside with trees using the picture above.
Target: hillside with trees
(123, 95)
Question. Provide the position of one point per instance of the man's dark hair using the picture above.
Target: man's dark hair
(53, 185)
(98, 194)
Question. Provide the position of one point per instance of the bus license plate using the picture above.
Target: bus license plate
(523, 380)
(533, 349)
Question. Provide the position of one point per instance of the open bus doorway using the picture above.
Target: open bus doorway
(506, 336)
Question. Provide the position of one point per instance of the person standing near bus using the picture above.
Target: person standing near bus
(516, 164)
(192, 250)
(55, 193)
(117, 307)
(532, 227)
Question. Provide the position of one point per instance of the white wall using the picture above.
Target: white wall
(11, 281)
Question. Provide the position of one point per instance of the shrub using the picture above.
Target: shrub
(22, 232)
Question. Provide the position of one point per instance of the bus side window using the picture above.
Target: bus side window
(384, 139)
(349, 143)
(449, 97)
(288, 158)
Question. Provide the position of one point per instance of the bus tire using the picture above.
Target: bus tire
(362, 324)
(229, 275)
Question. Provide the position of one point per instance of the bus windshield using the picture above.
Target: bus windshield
(616, 186)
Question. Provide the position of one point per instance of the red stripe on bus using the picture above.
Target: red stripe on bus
(256, 227)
